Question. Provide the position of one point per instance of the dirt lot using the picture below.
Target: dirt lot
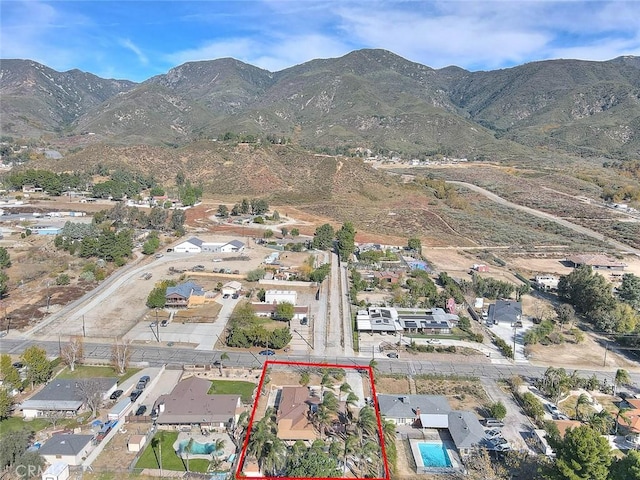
(461, 394)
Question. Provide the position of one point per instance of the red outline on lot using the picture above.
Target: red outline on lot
(369, 369)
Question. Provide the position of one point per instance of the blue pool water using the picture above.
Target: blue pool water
(434, 454)
(198, 448)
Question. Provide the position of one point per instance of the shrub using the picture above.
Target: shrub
(63, 279)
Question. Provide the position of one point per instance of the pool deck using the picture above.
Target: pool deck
(451, 452)
(229, 448)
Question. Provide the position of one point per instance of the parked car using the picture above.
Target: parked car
(153, 324)
(492, 432)
(492, 423)
(164, 323)
(553, 409)
(267, 352)
(18, 365)
(116, 395)
(392, 355)
(142, 383)
(235, 296)
(198, 268)
(434, 341)
(226, 295)
(169, 250)
(304, 321)
(135, 394)
(159, 255)
(141, 409)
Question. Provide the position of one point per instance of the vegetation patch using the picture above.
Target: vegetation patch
(233, 387)
(151, 459)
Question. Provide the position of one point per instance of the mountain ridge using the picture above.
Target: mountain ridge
(367, 98)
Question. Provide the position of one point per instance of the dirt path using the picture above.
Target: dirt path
(547, 216)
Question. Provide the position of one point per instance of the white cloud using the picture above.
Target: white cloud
(125, 42)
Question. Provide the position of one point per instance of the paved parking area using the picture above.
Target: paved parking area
(507, 332)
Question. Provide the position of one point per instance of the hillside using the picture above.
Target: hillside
(367, 98)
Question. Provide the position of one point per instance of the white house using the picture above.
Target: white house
(56, 471)
(70, 449)
(547, 282)
(232, 246)
(193, 245)
(279, 296)
(231, 288)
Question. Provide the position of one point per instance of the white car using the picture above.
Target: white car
(502, 447)
(434, 341)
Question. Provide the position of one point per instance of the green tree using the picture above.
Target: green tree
(39, 368)
(498, 410)
(323, 238)
(415, 244)
(245, 206)
(268, 233)
(4, 280)
(12, 446)
(565, 313)
(305, 378)
(627, 467)
(157, 297)
(152, 244)
(284, 311)
(315, 464)
(586, 290)
(629, 290)
(582, 454)
(346, 241)
(284, 231)
(5, 259)
(6, 402)
(622, 378)
(223, 211)
(9, 373)
(295, 232)
(255, 275)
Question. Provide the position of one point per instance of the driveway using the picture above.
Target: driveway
(516, 424)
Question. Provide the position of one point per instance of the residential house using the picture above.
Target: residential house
(232, 246)
(231, 288)
(504, 311)
(193, 245)
(71, 449)
(279, 296)
(63, 397)
(629, 421)
(292, 414)
(267, 310)
(388, 319)
(433, 411)
(189, 403)
(186, 294)
(547, 282)
(596, 262)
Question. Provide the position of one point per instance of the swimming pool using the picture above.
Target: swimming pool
(198, 448)
(434, 454)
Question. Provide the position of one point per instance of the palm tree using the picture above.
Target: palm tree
(156, 443)
(323, 418)
(240, 428)
(583, 400)
(389, 434)
(187, 450)
(274, 457)
(298, 449)
(345, 388)
(602, 422)
(367, 422)
(351, 444)
(621, 413)
(374, 365)
(621, 378)
(223, 357)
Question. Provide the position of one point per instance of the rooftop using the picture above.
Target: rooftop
(65, 445)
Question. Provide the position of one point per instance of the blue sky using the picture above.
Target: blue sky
(138, 39)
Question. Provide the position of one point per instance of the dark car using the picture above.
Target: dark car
(135, 394)
(304, 321)
(141, 409)
(226, 295)
(116, 395)
(164, 323)
(267, 352)
(169, 250)
(18, 365)
(392, 355)
(235, 296)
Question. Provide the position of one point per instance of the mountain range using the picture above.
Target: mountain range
(368, 98)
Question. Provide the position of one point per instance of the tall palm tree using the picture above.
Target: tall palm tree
(187, 450)
(274, 457)
(351, 446)
(621, 378)
(323, 418)
(240, 428)
(156, 443)
(345, 388)
(367, 422)
(621, 414)
(389, 434)
(602, 422)
(223, 357)
(583, 400)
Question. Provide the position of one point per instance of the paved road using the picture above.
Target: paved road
(547, 216)
(334, 329)
(156, 356)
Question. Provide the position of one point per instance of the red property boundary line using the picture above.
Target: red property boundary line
(369, 369)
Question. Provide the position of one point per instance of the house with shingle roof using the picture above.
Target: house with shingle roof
(189, 403)
(596, 262)
(504, 311)
(63, 396)
(184, 295)
(71, 449)
(193, 245)
(433, 411)
(292, 415)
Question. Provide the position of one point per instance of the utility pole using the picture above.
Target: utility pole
(84, 332)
